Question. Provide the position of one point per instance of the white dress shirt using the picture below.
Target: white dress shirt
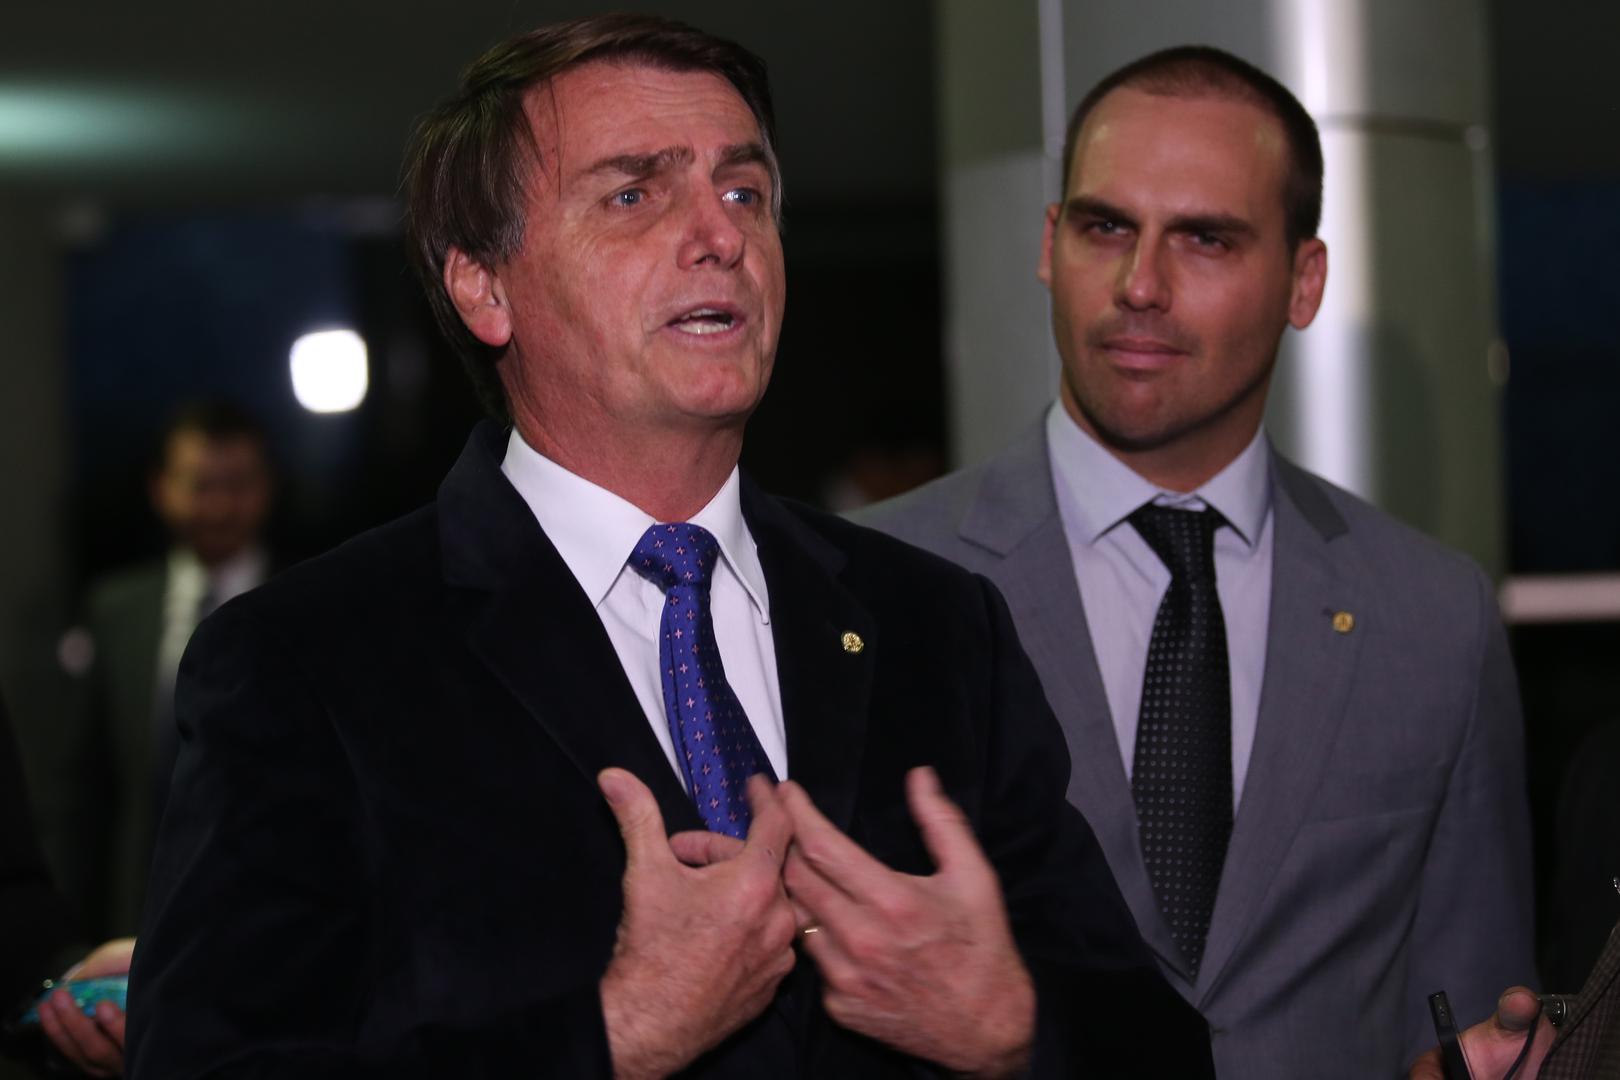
(595, 532)
(1122, 581)
(192, 591)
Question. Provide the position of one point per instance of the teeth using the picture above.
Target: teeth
(703, 321)
(702, 326)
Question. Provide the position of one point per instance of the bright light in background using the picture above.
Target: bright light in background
(329, 371)
(40, 122)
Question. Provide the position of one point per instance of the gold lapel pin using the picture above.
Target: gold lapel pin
(1343, 622)
(852, 642)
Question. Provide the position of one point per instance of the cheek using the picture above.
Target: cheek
(1081, 292)
(771, 274)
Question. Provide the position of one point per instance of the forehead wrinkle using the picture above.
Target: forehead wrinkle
(640, 166)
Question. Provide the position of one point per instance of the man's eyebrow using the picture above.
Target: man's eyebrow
(1091, 207)
(1224, 224)
(750, 153)
(637, 166)
(1221, 224)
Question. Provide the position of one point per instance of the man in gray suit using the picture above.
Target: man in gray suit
(1294, 721)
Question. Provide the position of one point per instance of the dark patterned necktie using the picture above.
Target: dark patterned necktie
(1182, 775)
(715, 744)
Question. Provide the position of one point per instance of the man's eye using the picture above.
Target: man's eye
(1209, 241)
(628, 197)
(1105, 227)
(743, 196)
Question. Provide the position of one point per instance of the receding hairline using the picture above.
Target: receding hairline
(1190, 94)
(1206, 73)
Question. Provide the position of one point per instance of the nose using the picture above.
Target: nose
(1143, 284)
(711, 237)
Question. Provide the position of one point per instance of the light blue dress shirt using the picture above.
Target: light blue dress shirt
(1122, 581)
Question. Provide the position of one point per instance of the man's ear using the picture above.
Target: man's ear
(479, 298)
(1043, 269)
(1310, 278)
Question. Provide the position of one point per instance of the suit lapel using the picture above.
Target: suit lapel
(1015, 517)
(525, 617)
(825, 686)
(1302, 703)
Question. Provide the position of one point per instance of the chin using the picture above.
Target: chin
(725, 390)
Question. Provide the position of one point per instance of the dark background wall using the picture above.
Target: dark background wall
(221, 178)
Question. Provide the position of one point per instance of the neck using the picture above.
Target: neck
(1184, 463)
(670, 476)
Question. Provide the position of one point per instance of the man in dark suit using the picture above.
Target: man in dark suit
(211, 488)
(1293, 720)
(39, 941)
(388, 851)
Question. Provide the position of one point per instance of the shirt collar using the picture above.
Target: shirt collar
(226, 581)
(237, 574)
(595, 530)
(1104, 490)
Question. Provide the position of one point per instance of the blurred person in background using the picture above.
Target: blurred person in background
(211, 487)
(1585, 901)
(39, 941)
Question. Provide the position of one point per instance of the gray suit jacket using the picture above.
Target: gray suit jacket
(1381, 849)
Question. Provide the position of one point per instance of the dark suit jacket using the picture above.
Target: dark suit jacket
(99, 816)
(385, 853)
(1584, 904)
(38, 938)
(1588, 1043)
(1381, 849)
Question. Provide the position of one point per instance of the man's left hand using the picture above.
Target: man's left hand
(924, 964)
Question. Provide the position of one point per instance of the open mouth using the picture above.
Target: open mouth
(704, 321)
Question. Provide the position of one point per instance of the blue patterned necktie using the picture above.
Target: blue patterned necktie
(1182, 774)
(715, 744)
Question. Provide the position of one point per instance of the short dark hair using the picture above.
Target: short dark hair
(1193, 71)
(469, 162)
(213, 418)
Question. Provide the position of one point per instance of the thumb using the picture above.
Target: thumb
(1517, 1009)
(945, 829)
(636, 811)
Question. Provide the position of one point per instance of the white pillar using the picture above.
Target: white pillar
(1000, 364)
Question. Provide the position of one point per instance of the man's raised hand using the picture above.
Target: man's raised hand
(700, 949)
(925, 964)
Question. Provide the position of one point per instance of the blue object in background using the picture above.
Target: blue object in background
(87, 994)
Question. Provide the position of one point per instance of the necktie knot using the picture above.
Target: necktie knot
(673, 554)
(1184, 540)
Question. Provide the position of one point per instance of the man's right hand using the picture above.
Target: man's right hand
(700, 949)
(1491, 1046)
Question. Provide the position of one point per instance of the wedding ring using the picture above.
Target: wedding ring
(812, 929)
